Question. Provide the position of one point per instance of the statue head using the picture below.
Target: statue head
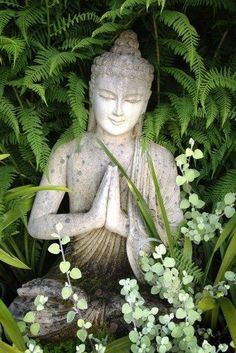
(120, 87)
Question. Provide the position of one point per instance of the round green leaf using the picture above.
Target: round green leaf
(229, 211)
(197, 154)
(180, 313)
(180, 180)
(181, 159)
(80, 348)
(229, 198)
(190, 175)
(133, 336)
(64, 266)
(66, 292)
(29, 317)
(80, 323)
(193, 199)
(54, 249)
(169, 262)
(82, 334)
(82, 304)
(75, 273)
(184, 204)
(88, 325)
(35, 328)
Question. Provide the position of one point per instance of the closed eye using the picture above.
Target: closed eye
(106, 96)
(133, 101)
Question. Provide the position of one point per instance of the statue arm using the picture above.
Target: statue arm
(166, 171)
(44, 217)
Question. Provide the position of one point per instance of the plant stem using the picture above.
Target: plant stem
(18, 97)
(157, 57)
(48, 22)
(220, 43)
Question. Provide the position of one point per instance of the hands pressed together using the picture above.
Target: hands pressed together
(106, 209)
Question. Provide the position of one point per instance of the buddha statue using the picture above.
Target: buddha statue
(103, 222)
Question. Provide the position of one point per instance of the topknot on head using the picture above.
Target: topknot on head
(127, 44)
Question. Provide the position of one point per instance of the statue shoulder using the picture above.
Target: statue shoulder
(161, 155)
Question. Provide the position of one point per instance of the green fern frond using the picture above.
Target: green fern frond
(186, 81)
(28, 17)
(32, 127)
(131, 3)
(193, 59)
(76, 94)
(224, 102)
(50, 62)
(225, 184)
(108, 28)
(13, 46)
(87, 42)
(37, 88)
(155, 121)
(7, 176)
(8, 115)
(184, 29)
(67, 136)
(215, 78)
(184, 109)
(215, 4)
(211, 110)
(5, 17)
(63, 24)
(217, 155)
(184, 264)
(9, 3)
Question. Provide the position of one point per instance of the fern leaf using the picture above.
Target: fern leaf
(87, 42)
(155, 121)
(8, 115)
(132, 3)
(224, 102)
(184, 29)
(5, 17)
(186, 81)
(107, 28)
(184, 264)
(211, 111)
(29, 17)
(225, 184)
(76, 93)
(217, 79)
(7, 176)
(32, 128)
(13, 46)
(64, 24)
(184, 109)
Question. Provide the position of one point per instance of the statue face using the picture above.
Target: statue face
(118, 103)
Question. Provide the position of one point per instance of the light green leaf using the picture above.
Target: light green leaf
(65, 240)
(80, 323)
(133, 336)
(169, 262)
(180, 180)
(66, 292)
(189, 175)
(126, 308)
(229, 211)
(6, 348)
(88, 325)
(82, 334)
(180, 313)
(181, 159)
(193, 198)
(54, 249)
(70, 316)
(82, 304)
(29, 317)
(184, 204)
(229, 198)
(3, 156)
(197, 154)
(35, 328)
(75, 273)
(64, 266)
(188, 152)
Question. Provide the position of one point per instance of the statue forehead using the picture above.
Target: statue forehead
(117, 83)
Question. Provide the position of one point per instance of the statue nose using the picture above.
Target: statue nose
(118, 109)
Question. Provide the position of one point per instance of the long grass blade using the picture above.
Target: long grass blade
(10, 327)
(121, 345)
(12, 260)
(229, 312)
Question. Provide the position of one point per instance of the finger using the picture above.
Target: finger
(114, 191)
(103, 190)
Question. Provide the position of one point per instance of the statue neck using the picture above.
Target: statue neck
(112, 139)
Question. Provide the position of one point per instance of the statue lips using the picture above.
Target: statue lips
(117, 122)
